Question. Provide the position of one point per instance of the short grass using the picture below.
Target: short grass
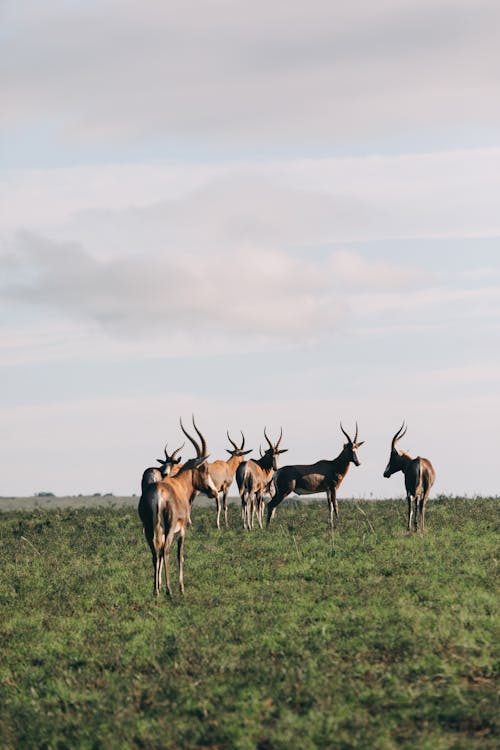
(290, 638)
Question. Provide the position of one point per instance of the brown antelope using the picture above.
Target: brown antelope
(419, 477)
(164, 509)
(323, 476)
(254, 481)
(169, 466)
(222, 473)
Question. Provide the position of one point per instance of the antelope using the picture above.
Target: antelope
(254, 480)
(222, 473)
(322, 476)
(165, 506)
(419, 477)
(169, 466)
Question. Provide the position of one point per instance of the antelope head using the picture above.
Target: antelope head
(237, 451)
(394, 464)
(168, 463)
(274, 449)
(351, 447)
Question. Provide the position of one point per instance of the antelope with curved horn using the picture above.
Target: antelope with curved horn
(165, 507)
(222, 473)
(322, 476)
(419, 477)
(254, 479)
(169, 466)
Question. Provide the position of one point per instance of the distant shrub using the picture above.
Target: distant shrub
(44, 494)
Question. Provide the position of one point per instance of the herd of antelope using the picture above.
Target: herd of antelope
(168, 491)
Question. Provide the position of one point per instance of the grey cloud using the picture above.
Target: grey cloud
(262, 293)
(235, 72)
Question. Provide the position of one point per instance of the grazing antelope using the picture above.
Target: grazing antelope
(254, 480)
(322, 476)
(169, 466)
(164, 509)
(222, 473)
(419, 477)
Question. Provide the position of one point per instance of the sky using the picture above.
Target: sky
(280, 214)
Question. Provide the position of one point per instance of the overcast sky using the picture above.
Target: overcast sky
(279, 213)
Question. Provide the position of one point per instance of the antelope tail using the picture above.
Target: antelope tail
(158, 532)
(418, 483)
(241, 477)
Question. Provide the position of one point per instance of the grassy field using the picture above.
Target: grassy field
(288, 638)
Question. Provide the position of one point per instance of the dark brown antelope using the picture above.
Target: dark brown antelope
(222, 473)
(322, 476)
(254, 480)
(169, 466)
(419, 477)
(165, 508)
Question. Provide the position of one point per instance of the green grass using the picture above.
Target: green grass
(290, 638)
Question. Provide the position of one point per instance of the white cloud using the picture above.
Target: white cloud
(485, 275)
(473, 375)
(354, 271)
(298, 203)
(433, 302)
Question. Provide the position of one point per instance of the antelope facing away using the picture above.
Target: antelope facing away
(169, 466)
(254, 480)
(165, 506)
(419, 477)
(323, 476)
(222, 473)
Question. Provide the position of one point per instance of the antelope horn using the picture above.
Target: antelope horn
(356, 435)
(166, 459)
(270, 444)
(242, 440)
(279, 439)
(191, 439)
(345, 433)
(399, 434)
(231, 441)
(202, 439)
(177, 451)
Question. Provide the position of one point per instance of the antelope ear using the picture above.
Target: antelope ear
(230, 452)
(283, 450)
(161, 460)
(244, 453)
(361, 443)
